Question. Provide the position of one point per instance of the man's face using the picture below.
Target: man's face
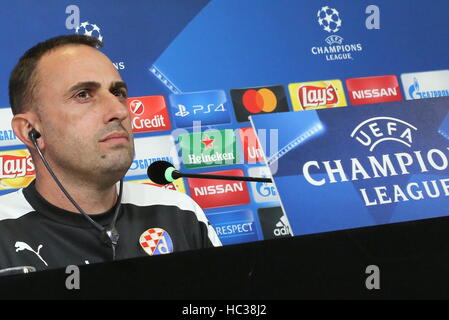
(84, 118)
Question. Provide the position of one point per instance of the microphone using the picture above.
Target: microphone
(163, 172)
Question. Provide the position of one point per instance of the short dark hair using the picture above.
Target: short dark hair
(22, 80)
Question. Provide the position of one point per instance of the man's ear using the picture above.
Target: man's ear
(22, 124)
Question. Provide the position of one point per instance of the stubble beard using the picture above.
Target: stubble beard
(89, 163)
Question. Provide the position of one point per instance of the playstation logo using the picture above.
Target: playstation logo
(182, 111)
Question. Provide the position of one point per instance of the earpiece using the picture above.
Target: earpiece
(34, 134)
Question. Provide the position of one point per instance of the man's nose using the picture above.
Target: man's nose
(116, 108)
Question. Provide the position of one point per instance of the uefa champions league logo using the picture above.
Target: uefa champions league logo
(89, 29)
(329, 19)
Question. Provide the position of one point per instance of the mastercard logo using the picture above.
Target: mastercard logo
(251, 101)
(256, 101)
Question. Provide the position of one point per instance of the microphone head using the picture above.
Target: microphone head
(158, 173)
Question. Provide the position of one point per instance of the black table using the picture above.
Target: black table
(413, 259)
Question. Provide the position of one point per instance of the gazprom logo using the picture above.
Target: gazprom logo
(374, 131)
(143, 164)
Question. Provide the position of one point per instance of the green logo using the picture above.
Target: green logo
(209, 148)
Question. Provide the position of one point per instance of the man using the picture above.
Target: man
(69, 103)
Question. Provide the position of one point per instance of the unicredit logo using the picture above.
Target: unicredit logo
(137, 107)
(149, 114)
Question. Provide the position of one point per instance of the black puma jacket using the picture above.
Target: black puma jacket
(151, 221)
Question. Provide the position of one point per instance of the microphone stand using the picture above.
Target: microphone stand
(176, 174)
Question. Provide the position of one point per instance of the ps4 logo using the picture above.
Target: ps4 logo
(208, 107)
(182, 111)
(199, 108)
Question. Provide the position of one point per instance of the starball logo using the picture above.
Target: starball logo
(89, 29)
(329, 19)
(73, 22)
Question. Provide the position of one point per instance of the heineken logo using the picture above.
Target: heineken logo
(209, 148)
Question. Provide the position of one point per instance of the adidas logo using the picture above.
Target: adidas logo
(282, 228)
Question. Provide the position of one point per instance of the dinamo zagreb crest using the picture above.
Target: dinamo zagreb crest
(156, 241)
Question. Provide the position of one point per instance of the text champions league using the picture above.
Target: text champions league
(432, 161)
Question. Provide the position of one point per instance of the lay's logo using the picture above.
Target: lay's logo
(16, 169)
(12, 166)
(317, 95)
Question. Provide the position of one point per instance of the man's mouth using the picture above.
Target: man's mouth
(116, 137)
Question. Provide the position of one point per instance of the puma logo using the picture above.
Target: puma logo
(20, 246)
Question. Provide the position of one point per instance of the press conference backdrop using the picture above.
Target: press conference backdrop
(197, 69)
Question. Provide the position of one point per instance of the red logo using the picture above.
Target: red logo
(256, 101)
(373, 90)
(12, 166)
(149, 114)
(251, 149)
(136, 107)
(219, 193)
(208, 142)
(313, 96)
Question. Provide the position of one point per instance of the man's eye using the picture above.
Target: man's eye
(83, 94)
(119, 93)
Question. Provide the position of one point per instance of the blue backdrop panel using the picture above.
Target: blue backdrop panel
(365, 166)
(176, 46)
